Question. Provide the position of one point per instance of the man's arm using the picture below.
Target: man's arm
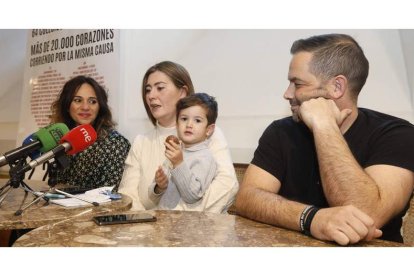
(381, 191)
(258, 200)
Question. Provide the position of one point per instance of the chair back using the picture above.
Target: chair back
(240, 169)
(408, 225)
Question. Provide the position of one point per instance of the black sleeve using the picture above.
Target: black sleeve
(111, 160)
(268, 155)
(394, 145)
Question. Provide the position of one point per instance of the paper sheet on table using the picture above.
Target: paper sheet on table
(94, 195)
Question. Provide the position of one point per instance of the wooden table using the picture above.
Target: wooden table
(43, 213)
(173, 229)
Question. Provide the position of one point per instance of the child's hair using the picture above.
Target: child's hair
(202, 99)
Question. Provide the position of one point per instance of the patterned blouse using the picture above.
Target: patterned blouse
(101, 164)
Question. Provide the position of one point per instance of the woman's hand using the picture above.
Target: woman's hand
(161, 180)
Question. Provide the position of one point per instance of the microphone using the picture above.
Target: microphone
(43, 140)
(30, 139)
(76, 140)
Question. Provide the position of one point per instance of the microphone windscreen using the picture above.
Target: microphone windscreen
(50, 135)
(30, 139)
(79, 138)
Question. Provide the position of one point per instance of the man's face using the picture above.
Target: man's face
(303, 85)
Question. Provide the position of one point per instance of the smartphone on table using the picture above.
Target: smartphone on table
(124, 218)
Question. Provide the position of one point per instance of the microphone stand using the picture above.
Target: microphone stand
(52, 169)
(16, 180)
(52, 181)
(52, 178)
(60, 162)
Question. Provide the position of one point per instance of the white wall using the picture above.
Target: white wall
(12, 54)
(247, 72)
(245, 69)
(407, 42)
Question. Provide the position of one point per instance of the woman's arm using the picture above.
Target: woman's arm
(132, 175)
(222, 191)
(119, 147)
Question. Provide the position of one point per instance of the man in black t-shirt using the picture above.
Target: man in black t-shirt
(332, 170)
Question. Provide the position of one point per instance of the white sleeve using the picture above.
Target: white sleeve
(222, 191)
(192, 179)
(132, 174)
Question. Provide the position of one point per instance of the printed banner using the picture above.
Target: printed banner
(53, 57)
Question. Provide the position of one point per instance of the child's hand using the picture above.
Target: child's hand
(173, 152)
(161, 180)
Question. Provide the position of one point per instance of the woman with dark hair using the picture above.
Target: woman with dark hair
(163, 85)
(84, 101)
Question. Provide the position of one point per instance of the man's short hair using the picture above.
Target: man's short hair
(335, 54)
(201, 99)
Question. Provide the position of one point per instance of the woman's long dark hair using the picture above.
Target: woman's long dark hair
(60, 108)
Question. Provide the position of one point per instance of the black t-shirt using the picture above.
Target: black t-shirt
(287, 151)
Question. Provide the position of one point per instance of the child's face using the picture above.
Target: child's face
(192, 125)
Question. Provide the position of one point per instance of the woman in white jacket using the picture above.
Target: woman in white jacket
(162, 86)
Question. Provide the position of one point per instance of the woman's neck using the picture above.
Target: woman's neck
(167, 123)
